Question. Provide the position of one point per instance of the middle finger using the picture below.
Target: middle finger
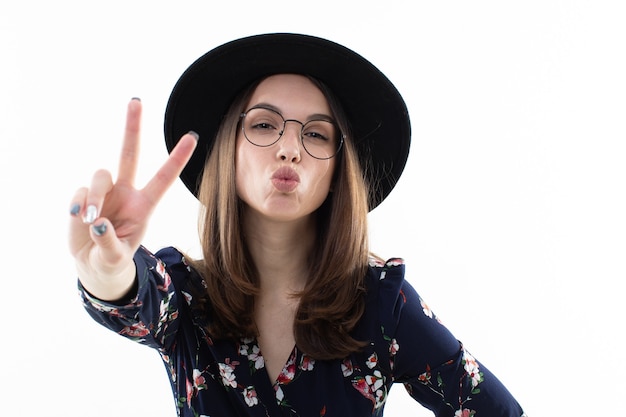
(130, 148)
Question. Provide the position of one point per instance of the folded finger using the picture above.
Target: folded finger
(101, 184)
(78, 202)
(78, 231)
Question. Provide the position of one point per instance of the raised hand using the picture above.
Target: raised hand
(109, 219)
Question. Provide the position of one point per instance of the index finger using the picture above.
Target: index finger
(172, 168)
(130, 148)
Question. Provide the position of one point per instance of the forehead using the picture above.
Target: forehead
(290, 92)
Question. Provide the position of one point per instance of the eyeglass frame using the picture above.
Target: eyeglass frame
(341, 135)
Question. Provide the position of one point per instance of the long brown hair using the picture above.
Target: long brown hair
(332, 301)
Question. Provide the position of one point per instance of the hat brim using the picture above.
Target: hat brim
(375, 109)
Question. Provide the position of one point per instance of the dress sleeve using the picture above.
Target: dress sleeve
(433, 365)
(151, 316)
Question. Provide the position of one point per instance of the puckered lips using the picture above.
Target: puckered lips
(285, 179)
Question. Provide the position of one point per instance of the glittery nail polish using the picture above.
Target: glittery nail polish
(99, 229)
(90, 214)
(75, 209)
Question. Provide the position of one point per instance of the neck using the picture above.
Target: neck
(280, 251)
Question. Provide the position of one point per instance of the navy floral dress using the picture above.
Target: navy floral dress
(408, 345)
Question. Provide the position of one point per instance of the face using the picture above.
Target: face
(282, 181)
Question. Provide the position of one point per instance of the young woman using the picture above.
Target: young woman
(292, 140)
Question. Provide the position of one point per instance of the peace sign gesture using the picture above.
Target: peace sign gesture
(109, 219)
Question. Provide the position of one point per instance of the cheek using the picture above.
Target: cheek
(249, 170)
(242, 166)
(321, 180)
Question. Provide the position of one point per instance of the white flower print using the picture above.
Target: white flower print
(372, 387)
(372, 361)
(188, 297)
(427, 311)
(249, 395)
(375, 381)
(394, 347)
(307, 363)
(255, 356)
(160, 268)
(375, 262)
(280, 395)
(226, 372)
(347, 368)
(198, 379)
(464, 412)
(395, 262)
(471, 367)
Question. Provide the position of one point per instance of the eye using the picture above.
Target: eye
(316, 135)
(319, 130)
(262, 126)
(262, 121)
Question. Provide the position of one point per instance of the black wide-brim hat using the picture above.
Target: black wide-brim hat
(375, 109)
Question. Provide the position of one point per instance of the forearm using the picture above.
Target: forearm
(109, 287)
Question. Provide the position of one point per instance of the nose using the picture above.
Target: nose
(290, 144)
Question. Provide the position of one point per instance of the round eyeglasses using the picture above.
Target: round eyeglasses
(320, 137)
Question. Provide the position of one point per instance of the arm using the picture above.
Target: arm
(150, 315)
(109, 219)
(434, 366)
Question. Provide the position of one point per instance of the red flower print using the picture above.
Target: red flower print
(198, 380)
(361, 385)
(372, 387)
(427, 311)
(425, 377)
(464, 412)
(287, 374)
(189, 389)
(136, 330)
(289, 371)
(372, 361)
(347, 368)
(249, 395)
(393, 347)
(307, 363)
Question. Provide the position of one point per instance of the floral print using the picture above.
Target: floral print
(407, 345)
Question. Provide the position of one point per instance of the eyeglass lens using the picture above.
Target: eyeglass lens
(264, 127)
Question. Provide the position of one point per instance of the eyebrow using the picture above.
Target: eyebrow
(314, 116)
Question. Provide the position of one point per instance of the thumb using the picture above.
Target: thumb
(98, 231)
(104, 236)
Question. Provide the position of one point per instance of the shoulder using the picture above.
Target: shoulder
(168, 258)
(385, 277)
(170, 264)
(380, 267)
(171, 257)
(384, 287)
(393, 297)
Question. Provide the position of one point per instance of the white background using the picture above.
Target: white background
(510, 214)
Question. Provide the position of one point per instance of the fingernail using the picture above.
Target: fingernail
(99, 229)
(75, 209)
(194, 134)
(90, 214)
(136, 98)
